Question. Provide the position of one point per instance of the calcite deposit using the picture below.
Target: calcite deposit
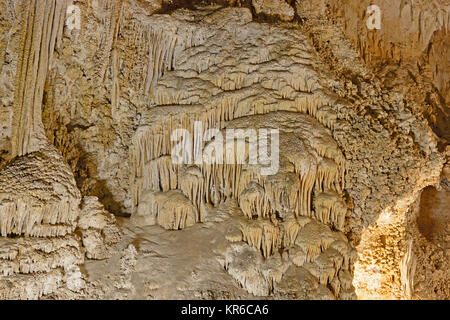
(270, 149)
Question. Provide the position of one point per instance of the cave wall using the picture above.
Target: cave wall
(102, 100)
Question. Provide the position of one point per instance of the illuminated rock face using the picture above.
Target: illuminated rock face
(302, 162)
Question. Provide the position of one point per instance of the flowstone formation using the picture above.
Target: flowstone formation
(153, 151)
(39, 214)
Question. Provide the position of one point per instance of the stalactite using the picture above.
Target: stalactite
(281, 192)
(262, 235)
(303, 235)
(252, 233)
(251, 201)
(156, 175)
(39, 196)
(329, 175)
(310, 159)
(21, 217)
(346, 251)
(161, 48)
(290, 228)
(152, 142)
(171, 209)
(109, 56)
(44, 20)
(314, 238)
(191, 183)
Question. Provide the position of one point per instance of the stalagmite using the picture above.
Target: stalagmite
(407, 269)
(177, 213)
(171, 210)
(247, 274)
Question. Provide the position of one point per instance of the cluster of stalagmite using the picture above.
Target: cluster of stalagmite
(120, 95)
(32, 255)
(39, 206)
(319, 257)
(313, 249)
(251, 271)
(33, 267)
